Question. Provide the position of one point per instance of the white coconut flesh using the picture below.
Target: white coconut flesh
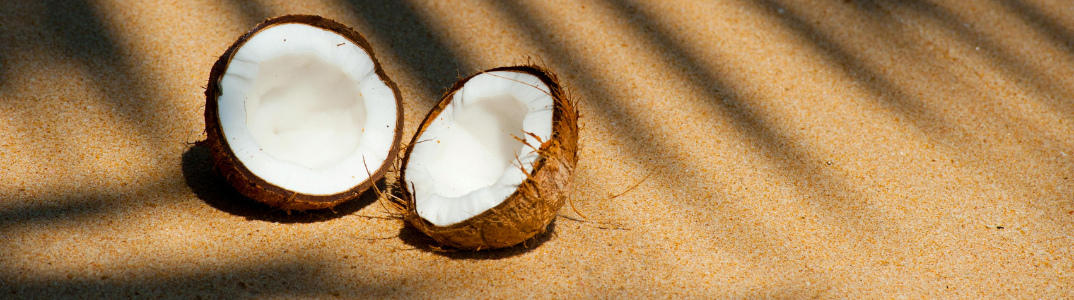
(466, 161)
(303, 109)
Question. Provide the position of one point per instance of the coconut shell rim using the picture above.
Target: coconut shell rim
(253, 186)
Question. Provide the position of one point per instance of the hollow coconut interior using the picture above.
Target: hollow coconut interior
(466, 161)
(303, 109)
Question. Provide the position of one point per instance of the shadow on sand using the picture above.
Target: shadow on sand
(209, 186)
(415, 238)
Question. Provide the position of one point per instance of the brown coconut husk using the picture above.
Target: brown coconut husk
(529, 210)
(249, 184)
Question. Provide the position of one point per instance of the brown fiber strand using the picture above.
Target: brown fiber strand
(631, 188)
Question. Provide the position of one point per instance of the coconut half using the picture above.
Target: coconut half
(493, 161)
(299, 114)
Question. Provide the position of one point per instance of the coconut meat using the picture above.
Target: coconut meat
(303, 108)
(466, 161)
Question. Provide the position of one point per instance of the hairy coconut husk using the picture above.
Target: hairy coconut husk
(529, 210)
(256, 188)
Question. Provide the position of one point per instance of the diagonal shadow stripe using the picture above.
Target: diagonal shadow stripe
(793, 160)
(250, 12)
(896, 98)
(291, 278)
(1015, 68)
(913, 108)
(82, 35)
(1043, 22)
(744, 119)
(407, 35)
(70, 207)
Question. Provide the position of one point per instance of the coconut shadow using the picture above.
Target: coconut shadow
(214, 190)
(417, 239)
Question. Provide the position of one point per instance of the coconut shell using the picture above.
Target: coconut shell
(529, 210)
(249, 184)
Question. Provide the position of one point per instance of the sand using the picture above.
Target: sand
(795, 149)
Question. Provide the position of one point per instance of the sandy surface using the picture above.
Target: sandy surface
(831, 149)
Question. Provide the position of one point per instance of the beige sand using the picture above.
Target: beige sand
(831, 149)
